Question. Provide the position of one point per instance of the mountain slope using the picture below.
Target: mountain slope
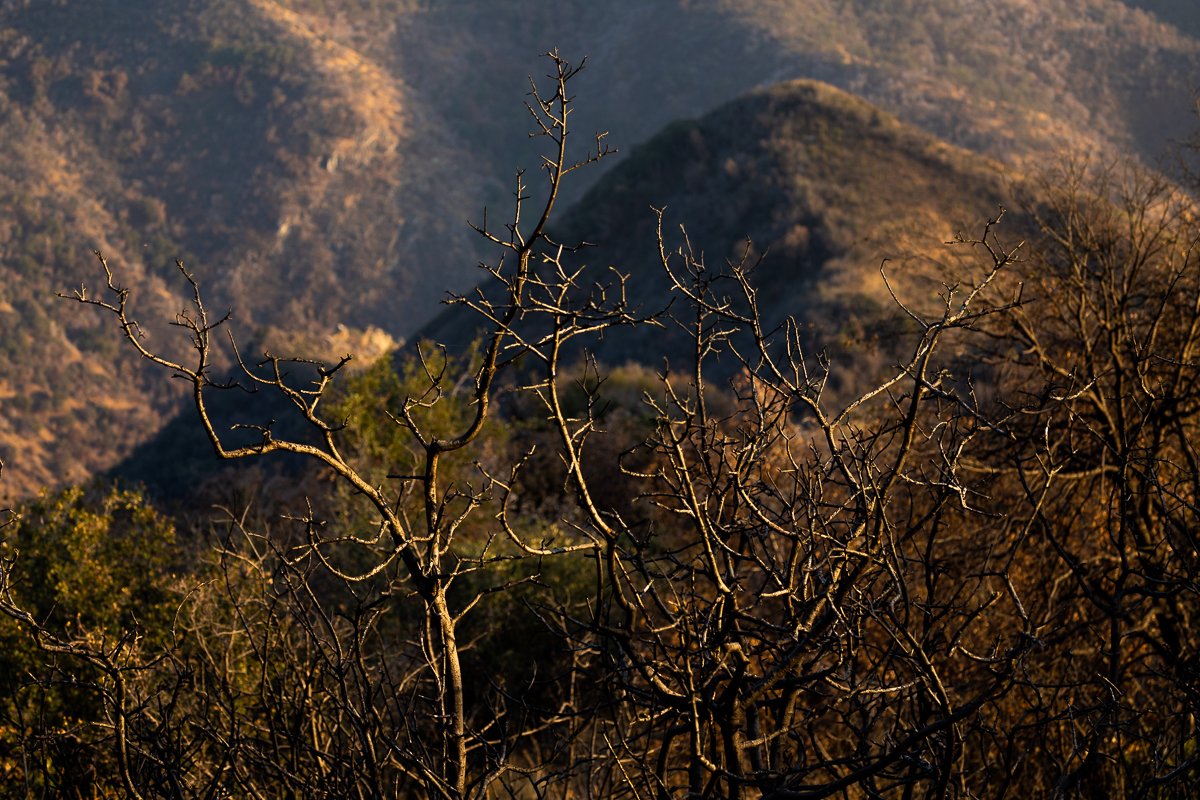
(1014, 79)
(824, 184)
(815, 185)
(236, 136)
(315, 162)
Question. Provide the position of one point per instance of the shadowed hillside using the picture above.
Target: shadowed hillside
(817, 183)
(315, 162)
(810, 185)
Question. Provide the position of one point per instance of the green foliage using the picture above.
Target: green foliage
(95, 563)
(93, 566)
(272, 58)
(372, 403)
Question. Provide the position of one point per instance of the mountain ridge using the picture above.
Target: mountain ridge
(315, 163)
(815, 185)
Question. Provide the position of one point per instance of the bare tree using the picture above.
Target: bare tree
(773, 618)
(1100, 482)
(450, 750)
(8, 515)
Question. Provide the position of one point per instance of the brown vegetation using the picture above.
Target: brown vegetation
(974, 576)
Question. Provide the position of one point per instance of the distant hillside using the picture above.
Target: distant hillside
(822, 184)
(315, 162)
(236, 135)
(1183, 14)
(1013, 79)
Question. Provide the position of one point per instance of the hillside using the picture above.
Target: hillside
(1015, 80)
(233, 135)
(315, 162)
(823, 183)
(1180, 13)
(815, 185)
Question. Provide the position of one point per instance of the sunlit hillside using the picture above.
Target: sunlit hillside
(316, 163)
